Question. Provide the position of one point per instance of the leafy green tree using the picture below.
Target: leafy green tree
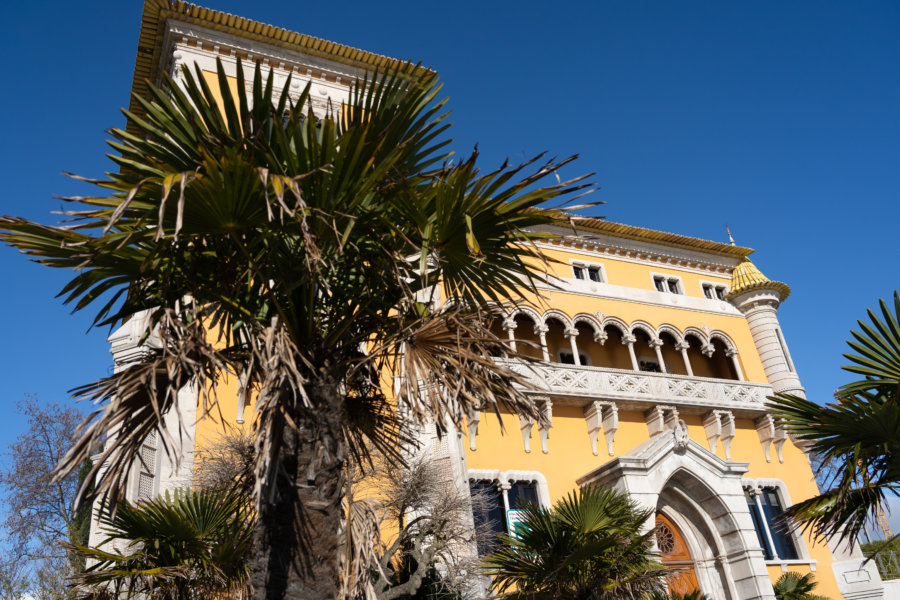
(857, 437)
(588, 547)
(299, 254)
(794, 586)
(183, 546)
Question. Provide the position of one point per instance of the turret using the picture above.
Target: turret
(758, 298)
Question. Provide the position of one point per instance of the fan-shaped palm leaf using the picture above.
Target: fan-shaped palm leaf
(299, 253)
(796, 586)
(589, 546)
(857, 437)
(180, 545)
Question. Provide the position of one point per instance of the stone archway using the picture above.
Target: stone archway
(702, 496)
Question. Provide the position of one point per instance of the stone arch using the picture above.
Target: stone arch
(703, 494)
(616, 323)
(671, 330)
(527, 311)
(705, 524)
(698, 333)
(645, 327)
(557, 314)
(590, 320)
(672, 344)
(719, 335)
(526, 319)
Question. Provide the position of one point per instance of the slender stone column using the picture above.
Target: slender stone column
(572, 333)
(509, 325)
(755, 493)
(541, 332)
(732, 354)
(657, 346)
(629, 341)
(683, 348)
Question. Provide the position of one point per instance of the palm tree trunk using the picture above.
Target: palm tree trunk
(298, 534)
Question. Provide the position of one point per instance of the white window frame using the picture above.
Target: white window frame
(715, 285)
(501, 478)
(679, 283)
(574, 263)
(799, 541)
(505, 477)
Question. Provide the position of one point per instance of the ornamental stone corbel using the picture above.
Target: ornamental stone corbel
(545, 420)
(707, 350)
(601, 414)
(661, 418)
(601, 337)
(525, 425)
(770, 431)
(472, 422)
(719, 425)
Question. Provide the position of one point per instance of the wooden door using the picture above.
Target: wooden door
(675, 555)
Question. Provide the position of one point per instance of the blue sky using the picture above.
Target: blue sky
(780, 118)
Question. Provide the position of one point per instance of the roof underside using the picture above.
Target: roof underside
(157, 12)
(659, 237)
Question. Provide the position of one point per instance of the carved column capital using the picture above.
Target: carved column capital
(540, 329)
(570, 332)
(509, 324)
(628, 339)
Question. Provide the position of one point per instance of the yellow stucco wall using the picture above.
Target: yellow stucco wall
(570, 455)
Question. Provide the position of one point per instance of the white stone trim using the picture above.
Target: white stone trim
(505, 477)
(799, 542)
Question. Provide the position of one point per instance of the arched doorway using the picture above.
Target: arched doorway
(675, 554)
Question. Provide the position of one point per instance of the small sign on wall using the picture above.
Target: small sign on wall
(514, 520)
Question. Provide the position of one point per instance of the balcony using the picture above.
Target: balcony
(577, 385)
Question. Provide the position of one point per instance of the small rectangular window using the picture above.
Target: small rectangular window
(670, 285)
(567, 358)
(587, 272)
(714, 292)
(650, 365)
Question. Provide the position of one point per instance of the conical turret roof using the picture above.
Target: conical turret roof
(747, 277)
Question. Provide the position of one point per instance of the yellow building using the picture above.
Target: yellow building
(657, 353)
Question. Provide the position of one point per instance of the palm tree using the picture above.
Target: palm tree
(588, 547)
(794, 586)
(856, 438)
(302, 256)
(184, 546)
(695, 595)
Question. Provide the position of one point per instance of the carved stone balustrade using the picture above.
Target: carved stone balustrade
(578, 385)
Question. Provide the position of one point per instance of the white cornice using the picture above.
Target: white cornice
(216, 44)
(605, 245)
